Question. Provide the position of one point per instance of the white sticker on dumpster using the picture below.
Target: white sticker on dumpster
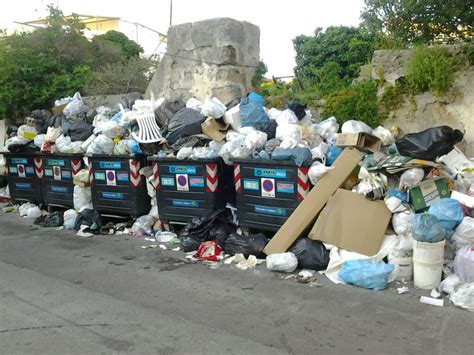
(21, 170)
(268, 187)
(57, 172)
(182, 182)
(110, 178)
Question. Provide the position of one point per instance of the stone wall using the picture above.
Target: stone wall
(419, 112)
(215, 57)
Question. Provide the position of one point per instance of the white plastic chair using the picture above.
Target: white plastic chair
(144, 114)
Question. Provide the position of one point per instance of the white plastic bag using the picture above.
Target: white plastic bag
(289, 130)
(101, 145)
(273, 113)
(75, 106)
(63, 144)
(70, 218)
(464, 296)
(233, 149)
(384, 135)
(284, 262)
(29, 210)
(194, 103)
(401, 222)
(232, 117)
(99, 119)
(289, 142)
(464, 233)
(233, 135)
(317, 171)
(464, 264)
(52, 134)
(255, 141)
(145, 222)
(353, 126)
(27, 132)
(39, 140)
(449, 284)
(82, 198)
(411, 178)
(110, 129)
(327, 128)
(15, 141)
(286, 117)
(213, 107)
(184, 153)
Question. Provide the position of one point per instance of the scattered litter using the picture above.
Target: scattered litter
(432, 301)
(403, 290)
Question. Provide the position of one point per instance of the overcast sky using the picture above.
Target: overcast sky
(279, 21)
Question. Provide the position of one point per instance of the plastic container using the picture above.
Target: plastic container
(118, 188)
(403, 267)
(24, 174)
(428, 259)
(268, 191)
(57, 185)
(191, 188)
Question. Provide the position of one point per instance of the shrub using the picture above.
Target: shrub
(358, 102)
(431, 68)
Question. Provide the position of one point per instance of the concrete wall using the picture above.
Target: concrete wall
(215, 57)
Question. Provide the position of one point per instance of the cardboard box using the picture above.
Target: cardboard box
(212, 128)
(428, 192)
(361, 140)
(313, 203)
(352, 222)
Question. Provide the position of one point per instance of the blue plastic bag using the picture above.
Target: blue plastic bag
(134, 146)
(253, 96)
(449, 212)
(366, 274)
(252, 114)
(428, 228)
(402, 196)
(298, 155)
(333, 154)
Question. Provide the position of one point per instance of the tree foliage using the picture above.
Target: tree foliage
(128, 48)
(260, 72)
(421, 21)
(330, 59)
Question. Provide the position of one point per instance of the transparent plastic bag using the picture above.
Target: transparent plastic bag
(75, 106)
(384, 135)
(39, 140)
(327, 128)
(64, 144)
(184, 153)
(317, 171)
(101, 145)
(286, 117)
(464, 234)
(464, 264)
(464, 296)
(70, 218)
(366, 274)
(353, 126)
(111, 129)
(411, 178)
(213, 107)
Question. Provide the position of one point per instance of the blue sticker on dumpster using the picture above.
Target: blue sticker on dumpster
(30, 170)
(56, 162)
(182, 169)
(19, 161)
(13, 170)
(185, 203)
(48, 172)
(66, 174)
(286, 187)
(122, 177)
(23, 186)
(196, 181)
(251, 185)
(112, 195)
(110, 165)
(270, 173)
(167, 181)
(273, 211)
(59, 189)
(99, 176)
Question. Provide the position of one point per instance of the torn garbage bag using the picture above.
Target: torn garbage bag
(311, 254)
(252, 244)
(366, 274)
(185, 122)
(429, 144)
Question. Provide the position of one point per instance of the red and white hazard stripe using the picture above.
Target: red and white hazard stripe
(211, 177)
(76, 165)
(302, 182)
(237, 182)
(135, 179)
(39, 167)
(156, 175)
(91, 176)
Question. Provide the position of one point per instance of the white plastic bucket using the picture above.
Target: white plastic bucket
(428, 252)
(403, 267)
(427, 275)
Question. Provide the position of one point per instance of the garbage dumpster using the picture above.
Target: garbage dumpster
(24, 174)
(118, 189)
(59, 170)
(268, 191)
(191, 188)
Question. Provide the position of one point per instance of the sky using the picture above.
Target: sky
(279, 21)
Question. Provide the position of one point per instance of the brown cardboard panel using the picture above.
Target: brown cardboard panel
(360, 140)
(313, 203)
(352, 222)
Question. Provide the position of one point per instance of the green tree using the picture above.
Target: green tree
(421, 21)
(127, 47)
(260, 72)
(330, 59)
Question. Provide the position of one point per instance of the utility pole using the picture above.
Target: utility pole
(171, 12)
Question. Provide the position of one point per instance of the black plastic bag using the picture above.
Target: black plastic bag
(29, 147)
(56, 121)
(12, 131)
(90, 218)
(167, 109)
(270, 129)
(311, 254)
(220, 232)
(297, 108)
(252, 244)
(79, 130)
(54, 219)
(41, 119)
(186, 122)
(430, 143)
(198, 230)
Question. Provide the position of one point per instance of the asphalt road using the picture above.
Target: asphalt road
(63, 294)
